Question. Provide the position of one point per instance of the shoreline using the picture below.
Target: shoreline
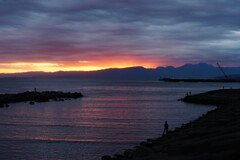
(214, 135)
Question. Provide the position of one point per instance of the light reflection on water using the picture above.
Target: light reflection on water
(114, 115)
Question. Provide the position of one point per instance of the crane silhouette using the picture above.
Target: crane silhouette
(221, 69)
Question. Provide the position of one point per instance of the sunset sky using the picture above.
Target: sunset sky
(53, 35)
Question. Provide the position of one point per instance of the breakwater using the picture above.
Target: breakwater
(216, 97)
(34, 96)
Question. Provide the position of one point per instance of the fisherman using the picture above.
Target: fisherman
(165, 131)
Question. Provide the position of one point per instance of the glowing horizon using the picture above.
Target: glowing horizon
(21, 67)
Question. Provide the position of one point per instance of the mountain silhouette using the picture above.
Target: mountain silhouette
(187, 71)
(201, 70)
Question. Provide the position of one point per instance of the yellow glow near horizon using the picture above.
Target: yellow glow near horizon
(20, 67)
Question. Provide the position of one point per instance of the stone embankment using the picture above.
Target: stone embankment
(213, 136)
(216, 97)
(32, 97)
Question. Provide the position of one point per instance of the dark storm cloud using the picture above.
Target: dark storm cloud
(182, 30)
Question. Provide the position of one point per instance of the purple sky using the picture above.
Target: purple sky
(139, 32)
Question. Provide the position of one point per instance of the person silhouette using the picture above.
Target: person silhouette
(165, 131)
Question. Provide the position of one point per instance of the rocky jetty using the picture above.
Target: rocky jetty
(34, 96)
(216, 97)
(213, 136)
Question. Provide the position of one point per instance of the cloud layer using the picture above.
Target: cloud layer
(148, 32)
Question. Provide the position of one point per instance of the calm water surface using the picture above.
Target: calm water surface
(113, 116)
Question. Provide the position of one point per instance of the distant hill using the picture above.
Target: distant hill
(195, 71)
(115, 73)
(200, 71)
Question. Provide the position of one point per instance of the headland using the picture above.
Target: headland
(213, 136)
(200, 80)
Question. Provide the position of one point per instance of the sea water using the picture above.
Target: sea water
(111, 117)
